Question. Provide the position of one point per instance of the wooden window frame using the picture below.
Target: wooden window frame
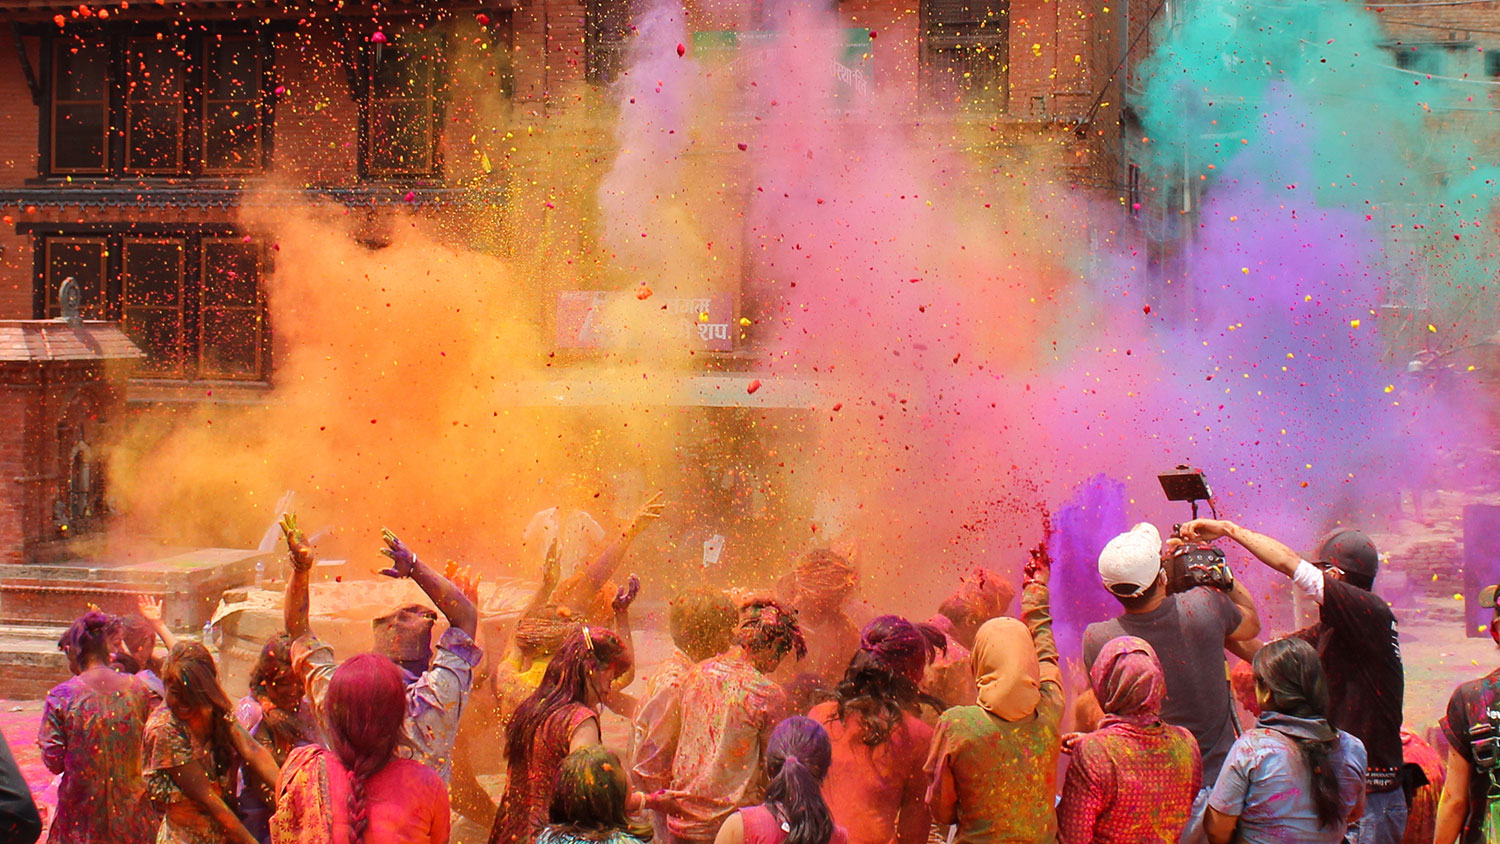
(192, 141)
(126, 308)
(192, 280)
(50, 306)
(180, 165)
(435, 106)
(257, 309)
(261, 104)
(944, 56)
(55, 46)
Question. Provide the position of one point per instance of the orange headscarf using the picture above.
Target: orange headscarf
(1006, 669)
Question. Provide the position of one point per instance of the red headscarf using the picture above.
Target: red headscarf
(1128, 681)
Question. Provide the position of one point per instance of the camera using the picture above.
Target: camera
(1193, 563)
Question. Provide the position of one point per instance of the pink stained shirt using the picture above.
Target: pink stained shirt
(406, 802)
(877, 793)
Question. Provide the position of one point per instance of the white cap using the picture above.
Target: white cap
(1131, 562)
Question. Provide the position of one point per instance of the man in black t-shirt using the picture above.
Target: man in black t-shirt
(1465, 799)
(1360, 650)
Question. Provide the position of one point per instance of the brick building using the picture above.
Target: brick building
(137, 133)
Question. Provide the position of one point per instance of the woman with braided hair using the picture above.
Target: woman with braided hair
(193, 751)
(358, 790)
(878, 786)
(91, 734)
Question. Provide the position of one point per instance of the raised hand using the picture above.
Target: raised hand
(649, 512)
(150, 608)
(300, 551)
(1039, 566)
(465, 578)
(626, 595)
(403, 559)
(552, 567)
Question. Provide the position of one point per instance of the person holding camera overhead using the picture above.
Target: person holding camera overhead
(1357, 643)
(1188, 625)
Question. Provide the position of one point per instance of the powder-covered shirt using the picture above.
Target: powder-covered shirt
(170, 744)
(1360, 650)
(1266, 784)
(871, 790)
(728, 710)
(1005, 772)
(656, 724)
(1187, 631)
(433, 703)
(1130, 785)
(91, 733)
(1474, 702)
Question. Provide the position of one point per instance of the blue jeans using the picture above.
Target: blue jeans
(1384, 820)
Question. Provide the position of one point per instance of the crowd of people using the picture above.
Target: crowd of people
(776, 719)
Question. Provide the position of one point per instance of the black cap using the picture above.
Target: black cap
(1351, 551)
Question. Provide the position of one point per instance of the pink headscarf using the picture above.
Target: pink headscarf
(1128, 682)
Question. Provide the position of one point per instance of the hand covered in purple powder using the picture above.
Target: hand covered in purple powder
(403, 559)
(626, 595)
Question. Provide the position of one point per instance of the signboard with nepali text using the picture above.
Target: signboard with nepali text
(600, 319)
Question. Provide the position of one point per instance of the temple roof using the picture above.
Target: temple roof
(41, 340)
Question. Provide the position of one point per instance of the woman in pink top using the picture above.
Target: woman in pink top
(797, 757)
(878, 786)
(358, 791)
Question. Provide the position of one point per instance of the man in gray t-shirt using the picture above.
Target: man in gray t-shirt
(1188, 632)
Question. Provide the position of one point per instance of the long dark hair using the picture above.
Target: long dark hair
(192, 680)
(882, 680)
(1288, 672)
(586, 651)
(363, 709)
(591, 791)
(797, 758)
(88, 638)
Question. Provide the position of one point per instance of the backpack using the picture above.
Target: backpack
(1484, 745)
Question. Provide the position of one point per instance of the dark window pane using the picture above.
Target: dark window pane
(231, 343)
(80, 107)
(231, 273)
(153, 105)
(78, 137)
(231, 136)
(400, 137)
(159, 332)
(233, 69)
(606, 27)
(83, 260)
(406, 68)
(81, 69)
(153, 273)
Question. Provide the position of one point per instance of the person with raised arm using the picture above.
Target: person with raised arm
(993, 766)
(1360, 651)
(437, 682)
